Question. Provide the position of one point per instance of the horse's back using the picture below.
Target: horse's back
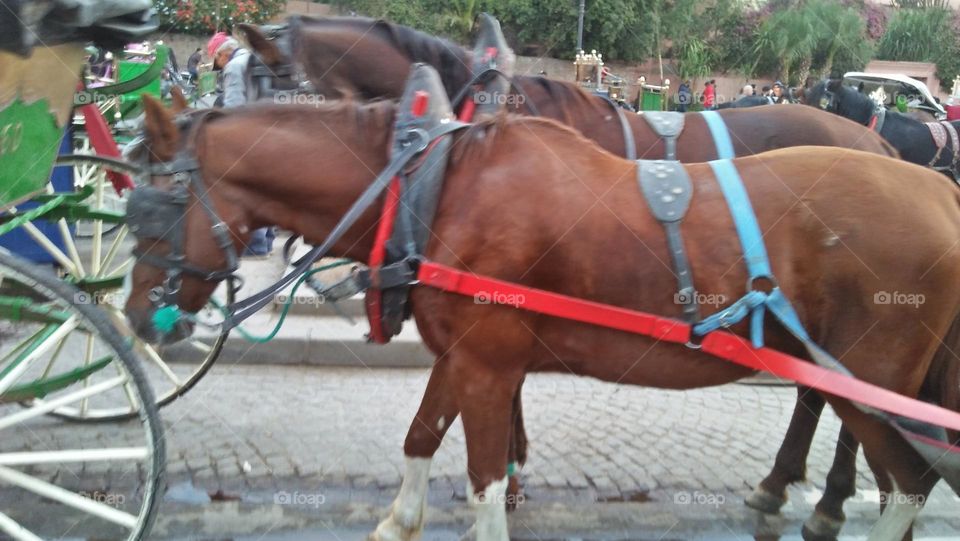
(807, 126)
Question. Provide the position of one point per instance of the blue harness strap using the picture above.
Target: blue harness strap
(927, 439)
(738, 201)
(755, 303)
(721, 136)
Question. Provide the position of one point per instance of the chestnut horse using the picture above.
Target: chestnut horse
(840, 225)
(370, 59)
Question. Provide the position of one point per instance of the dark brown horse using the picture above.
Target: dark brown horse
(371, 59)
(840, 225)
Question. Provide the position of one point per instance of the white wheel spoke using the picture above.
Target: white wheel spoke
(74, 455)
(200, 345)
(124, 268)
(50, 248)
(17, 371)
(118, 238)
(87, 359)
(71, 248)
(129, 390)
(16, 531)
(48, 406)
(68, 498)
(153, 356)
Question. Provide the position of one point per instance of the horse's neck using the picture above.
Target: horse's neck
(562, 101)
(279, 183)
(863, 108)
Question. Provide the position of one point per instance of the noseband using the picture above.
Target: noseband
(154, 213)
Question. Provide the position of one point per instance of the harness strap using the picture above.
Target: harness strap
(667, 189)
(823, 376)
(721, 136)
(249, 306)
(878, 119)
(629, 143)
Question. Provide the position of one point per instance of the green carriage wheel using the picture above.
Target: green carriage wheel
(97, 266)
(57, 481)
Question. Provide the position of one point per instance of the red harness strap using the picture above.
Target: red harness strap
(373, 299)
(720, 344)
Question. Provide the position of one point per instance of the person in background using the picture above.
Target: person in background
(684, 96)
(766, 93)
(779, 95)
(232, 60)
(193, 65)
(710, 95)
(746, 91)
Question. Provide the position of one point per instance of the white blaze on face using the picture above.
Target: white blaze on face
(491, 511)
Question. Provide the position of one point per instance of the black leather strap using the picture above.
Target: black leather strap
(419, 140)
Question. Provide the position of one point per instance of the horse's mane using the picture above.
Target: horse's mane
(566, 94)
(451, 61)
(481, 138)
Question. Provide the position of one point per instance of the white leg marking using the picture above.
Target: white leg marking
(898, 516)
(491, 511)
(406, 515)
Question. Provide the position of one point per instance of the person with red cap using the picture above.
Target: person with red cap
(232, 59)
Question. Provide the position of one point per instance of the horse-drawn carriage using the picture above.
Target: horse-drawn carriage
(897, 92)
(65, 351)
(591, 74)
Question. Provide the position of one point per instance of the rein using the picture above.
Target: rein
(169, 205)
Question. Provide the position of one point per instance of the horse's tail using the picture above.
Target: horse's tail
(942, 384)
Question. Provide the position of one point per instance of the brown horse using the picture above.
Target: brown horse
(840, 225)
(371, 59)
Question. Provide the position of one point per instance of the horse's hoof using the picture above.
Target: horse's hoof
(514, 493)
(820, 527)
(392, 529)
(765, 502)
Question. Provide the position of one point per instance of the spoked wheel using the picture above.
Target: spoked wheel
(58, 480)
(104, 197)
(97, 266)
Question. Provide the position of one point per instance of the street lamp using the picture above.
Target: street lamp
(580, 26)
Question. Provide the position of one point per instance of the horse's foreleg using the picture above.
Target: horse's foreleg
(791, 463)
(518, 453)
(438, 409)
(827, 519)
(486, 396)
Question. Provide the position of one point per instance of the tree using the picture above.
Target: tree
(923, 35)
(209, 16)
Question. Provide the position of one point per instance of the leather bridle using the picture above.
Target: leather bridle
(161, 215)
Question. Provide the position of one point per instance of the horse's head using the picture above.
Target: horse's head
(273, 68)
(833, 96)
(369, 59)
(184, 246)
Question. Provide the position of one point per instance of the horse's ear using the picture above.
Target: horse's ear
(268, 52)
(834, 84)
(179, 101)
(161, 132)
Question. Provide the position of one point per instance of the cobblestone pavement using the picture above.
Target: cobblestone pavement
(319, 451)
